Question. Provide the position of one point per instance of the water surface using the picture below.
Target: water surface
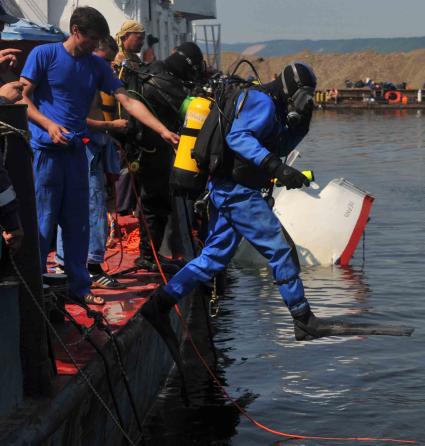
(356, 386)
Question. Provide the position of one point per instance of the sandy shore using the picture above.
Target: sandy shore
(334, 69)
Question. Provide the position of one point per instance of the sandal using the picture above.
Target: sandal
(92, 299)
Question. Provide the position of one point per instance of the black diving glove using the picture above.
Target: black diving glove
(287, 175)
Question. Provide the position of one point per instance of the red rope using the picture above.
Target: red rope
(257, 423)
(217, 381)
(120, 241)
(142, 218)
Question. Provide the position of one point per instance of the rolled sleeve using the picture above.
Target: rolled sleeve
(35, 65)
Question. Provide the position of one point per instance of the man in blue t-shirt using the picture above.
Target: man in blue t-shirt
(60, 81)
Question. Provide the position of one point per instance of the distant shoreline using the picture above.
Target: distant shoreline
(283, 47)
(333, 69)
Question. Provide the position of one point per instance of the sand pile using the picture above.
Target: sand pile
(334, 69)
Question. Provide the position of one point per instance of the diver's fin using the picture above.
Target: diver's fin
(153, 312)
(318, 328)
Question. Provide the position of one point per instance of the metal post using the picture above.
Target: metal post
(214, 42)
(207, 50)
(218, 50)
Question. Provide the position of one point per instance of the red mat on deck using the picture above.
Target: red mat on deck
(120, 305)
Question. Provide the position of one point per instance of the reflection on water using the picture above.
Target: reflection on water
(353, 386)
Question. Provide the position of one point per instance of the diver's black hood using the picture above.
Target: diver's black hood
(297, 75)
(293, 77)
(275, 90)
(186, 61)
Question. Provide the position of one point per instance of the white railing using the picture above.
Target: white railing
(208, 37)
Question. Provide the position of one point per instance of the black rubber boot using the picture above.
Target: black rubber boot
(157, 312)
(168, 266)
(305, 325)
(308, 327)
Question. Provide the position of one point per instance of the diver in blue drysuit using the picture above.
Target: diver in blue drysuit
(260, 134)
(238, 211)
(266, 124)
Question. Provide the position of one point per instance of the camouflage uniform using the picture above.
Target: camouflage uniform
(133, 60)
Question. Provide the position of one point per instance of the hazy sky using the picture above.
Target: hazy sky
(256, 20)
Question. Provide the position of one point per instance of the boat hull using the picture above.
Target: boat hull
(326, 224)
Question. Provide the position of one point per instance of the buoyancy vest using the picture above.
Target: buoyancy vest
(210, 148)
(162, 93)
(212, 152)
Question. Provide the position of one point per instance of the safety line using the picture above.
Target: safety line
(87, 338)
(102, 324)
(230, 398)
(142, 218)
(257, 423)
(215, 378)
(63, 345)
(233, 401)
(121, 248)
(123, 373)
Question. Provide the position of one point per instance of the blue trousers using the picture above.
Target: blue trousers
(97, 207)
(235, 212)
(62, 194)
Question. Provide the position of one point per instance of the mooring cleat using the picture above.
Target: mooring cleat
(308, 327)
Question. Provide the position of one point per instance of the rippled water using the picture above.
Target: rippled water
(356, 386)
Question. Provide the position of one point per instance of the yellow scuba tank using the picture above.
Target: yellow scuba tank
(186, 176)
(108, 106)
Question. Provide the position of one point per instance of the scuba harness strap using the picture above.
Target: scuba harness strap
(211, 152)
(162, 94)
(166, 97)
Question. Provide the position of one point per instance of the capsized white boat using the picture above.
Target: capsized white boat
(325, 224)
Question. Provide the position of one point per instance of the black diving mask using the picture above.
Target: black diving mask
(300, 105)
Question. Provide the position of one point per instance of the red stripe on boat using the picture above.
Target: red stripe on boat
(357, 232)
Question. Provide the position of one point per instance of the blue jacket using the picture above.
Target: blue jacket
(257, 130)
